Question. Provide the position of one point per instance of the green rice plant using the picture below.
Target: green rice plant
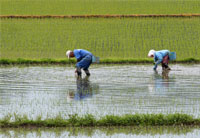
(5, 120)
(78, 7)
(21, 61)
(108, 120)
(111, 39)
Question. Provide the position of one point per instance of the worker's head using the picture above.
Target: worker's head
(70, 54)
(151, 53)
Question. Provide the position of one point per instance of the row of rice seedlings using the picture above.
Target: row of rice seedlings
(108, 120)
(21, 61)
(148, 105)
(78, 7)
(108, 38)
(108, 105)
(81, 108)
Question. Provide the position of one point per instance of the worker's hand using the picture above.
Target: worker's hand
(168, 68)
(155, 67)
(76, 70)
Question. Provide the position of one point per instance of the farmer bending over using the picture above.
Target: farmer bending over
(160, 57)
(84, 59)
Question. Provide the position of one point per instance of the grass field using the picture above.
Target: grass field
(74, 7)
(115, 38)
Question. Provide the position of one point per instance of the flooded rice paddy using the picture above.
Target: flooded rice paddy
(48, 91)
(128, 89)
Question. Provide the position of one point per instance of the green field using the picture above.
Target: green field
(109, 38)
(114, 38)
(74, 7)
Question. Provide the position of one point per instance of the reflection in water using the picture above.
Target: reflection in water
(160, 84)
(142, 132)
(85, 89)
(43, 91)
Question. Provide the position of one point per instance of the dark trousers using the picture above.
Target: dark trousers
(165, 62)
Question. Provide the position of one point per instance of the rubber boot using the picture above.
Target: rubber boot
(87, 72)
(165, 67)
(78, 71)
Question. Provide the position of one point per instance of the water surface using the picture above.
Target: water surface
(101, 132)
(54, 90)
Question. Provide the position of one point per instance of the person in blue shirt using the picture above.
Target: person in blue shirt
(84, 60)
(162, 57)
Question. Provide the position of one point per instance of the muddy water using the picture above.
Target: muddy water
(128, 89)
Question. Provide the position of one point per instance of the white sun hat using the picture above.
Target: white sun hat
(68, 53)
(151, 52)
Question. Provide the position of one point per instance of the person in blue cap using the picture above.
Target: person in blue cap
(162, 57)
(84, 60)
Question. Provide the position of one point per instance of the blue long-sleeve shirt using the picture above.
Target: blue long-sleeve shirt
(159, 55)
(81, 53)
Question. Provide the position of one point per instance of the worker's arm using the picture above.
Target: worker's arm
(78, 57)
(156, 63)
(158, 59)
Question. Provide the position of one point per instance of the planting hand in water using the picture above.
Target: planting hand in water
(160, 57)
(84, 60)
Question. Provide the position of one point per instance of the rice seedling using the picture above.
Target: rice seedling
(124, 40)
(84, 7)
(107, 120)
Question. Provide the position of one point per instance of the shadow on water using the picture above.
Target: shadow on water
(97, 131)
(85, 89)
(161, 83)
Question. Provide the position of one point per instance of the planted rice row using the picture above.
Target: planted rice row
(105, 7)
(108, 120)
(116, 38)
